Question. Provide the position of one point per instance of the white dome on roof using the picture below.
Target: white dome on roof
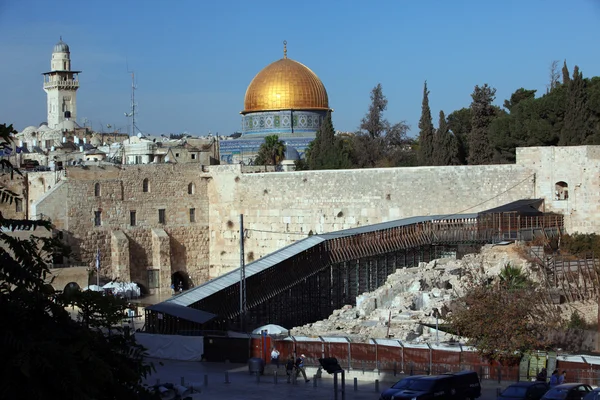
(29, 130)
(43, 128)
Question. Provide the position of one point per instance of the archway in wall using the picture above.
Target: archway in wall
(561, 191)
(71, 287)
(143, 289)
(181, 278)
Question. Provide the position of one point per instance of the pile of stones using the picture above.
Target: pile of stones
(411, 297)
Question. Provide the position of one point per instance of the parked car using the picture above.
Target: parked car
(457, 386)
(524, 390)
(398, 387)
(568, 391)
(593, 395)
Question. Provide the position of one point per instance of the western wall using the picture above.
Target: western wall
(281, 207)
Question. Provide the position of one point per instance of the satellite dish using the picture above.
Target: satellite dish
(139, 134)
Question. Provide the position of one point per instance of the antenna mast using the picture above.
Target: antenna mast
(132, 113)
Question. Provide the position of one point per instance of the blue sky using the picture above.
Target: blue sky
(193, 59)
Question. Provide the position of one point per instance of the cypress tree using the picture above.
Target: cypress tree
(445, 145)
(483, 112)
(326, 151)
(426, 131)
(565, 73)
(576, 128)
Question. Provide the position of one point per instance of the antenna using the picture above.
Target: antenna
(131, 114)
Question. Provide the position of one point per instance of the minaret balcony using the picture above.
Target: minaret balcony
(69, 84)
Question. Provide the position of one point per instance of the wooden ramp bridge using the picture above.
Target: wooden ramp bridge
(307, 280)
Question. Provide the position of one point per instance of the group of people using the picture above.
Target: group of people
(293, 367)
(555, 379)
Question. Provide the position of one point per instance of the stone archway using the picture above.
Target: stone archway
(181, 278)
(71, 287)
(143, 289)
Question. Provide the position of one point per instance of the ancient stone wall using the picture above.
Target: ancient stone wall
(115, 192)
(282, 207)
(574, 170)
(16, 183)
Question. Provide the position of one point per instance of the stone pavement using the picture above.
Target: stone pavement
(244, 386)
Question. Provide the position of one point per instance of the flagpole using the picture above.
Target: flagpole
(98, 267)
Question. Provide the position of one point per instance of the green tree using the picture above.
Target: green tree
(326, 151)
(480, 150)
(426, 131)
(445, 145)
(459, 123)
(518, 96)
(271, 152)
(565, 74)
(481, 316)
(577, 125)
(373, 122)
(47, 354)
(513, 277)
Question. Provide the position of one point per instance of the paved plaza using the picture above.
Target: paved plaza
(244, 385)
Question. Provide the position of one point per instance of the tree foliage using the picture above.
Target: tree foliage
(483, 113)
(506, 318)
(271, 152)
(326, 151)
(426, 131)
(373, 122)
(46, 353)
(445, 144)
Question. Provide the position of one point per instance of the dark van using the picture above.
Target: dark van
(457, 386)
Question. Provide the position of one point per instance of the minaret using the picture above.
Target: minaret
(61, 85)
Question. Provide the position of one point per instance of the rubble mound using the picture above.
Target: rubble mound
(409, 297)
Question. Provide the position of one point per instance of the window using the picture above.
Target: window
(176, 154)
(193, 156)
(191, 188)
(161, 216)
(97, 218)
(561, 191)
(97, 189)
(18, 205)
(145, 186)
(138, 159)
(132, 218)
(192, 215)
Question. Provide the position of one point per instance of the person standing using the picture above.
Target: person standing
(275, 357)
(554, 378)
(300, 368)
(542, 376)
(289, 367)
(562, 377)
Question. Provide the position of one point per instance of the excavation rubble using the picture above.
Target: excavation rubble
(410, 296)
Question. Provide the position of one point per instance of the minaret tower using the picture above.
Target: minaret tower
(61, 85)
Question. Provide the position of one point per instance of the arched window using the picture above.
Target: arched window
(191, 188)
(145, 185)
(561, 191)
(97, 189)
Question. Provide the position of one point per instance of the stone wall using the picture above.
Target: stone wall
(16, 183)
(116, 191)
(579, 168)
(282, 207)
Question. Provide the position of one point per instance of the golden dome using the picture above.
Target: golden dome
(283, 85)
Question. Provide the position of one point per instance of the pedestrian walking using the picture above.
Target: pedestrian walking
(300, 368)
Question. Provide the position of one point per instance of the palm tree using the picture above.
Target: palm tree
(512, 277)
(271, 152)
